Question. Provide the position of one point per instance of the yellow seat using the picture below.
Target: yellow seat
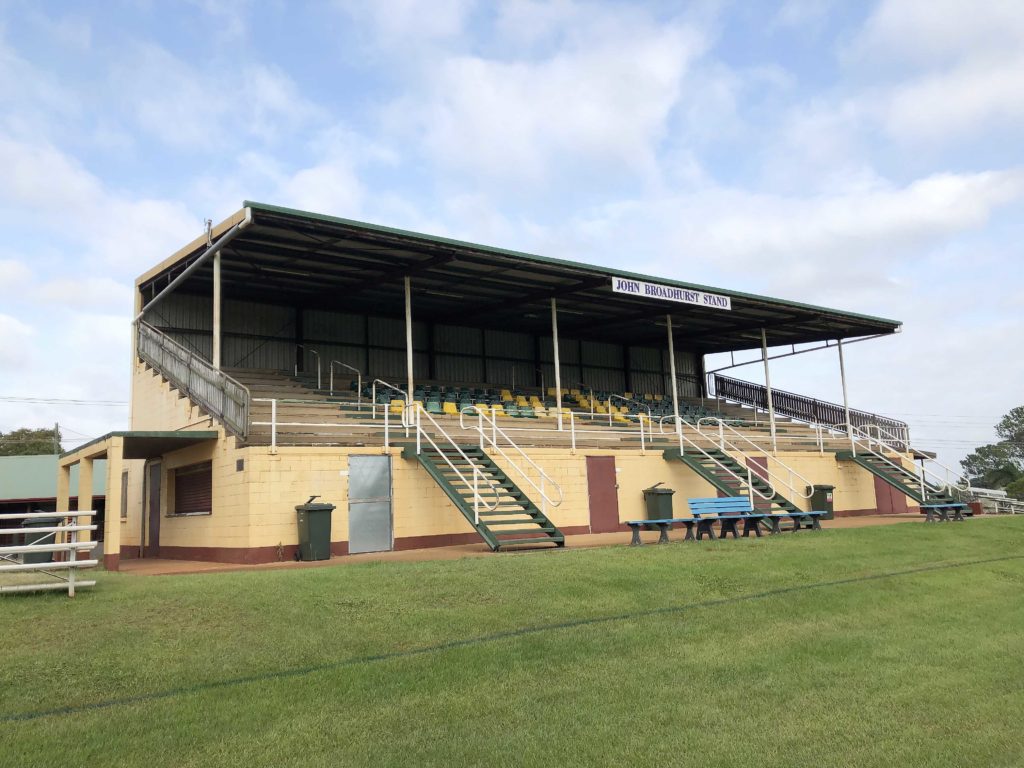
(648, 396)
(628, 394)
(540, 411)
(498, 410)
(397, 406)
(620, 418)
(506, 395)
(450, 408)
(598, 408)
(658, 398)
(520, 400)
(536, 402)
(574, 392)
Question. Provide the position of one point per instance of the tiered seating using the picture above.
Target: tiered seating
(440, 399)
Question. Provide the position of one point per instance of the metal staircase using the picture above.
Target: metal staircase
(900, 478)
(495, 506)
(733, 479)
(502, 514)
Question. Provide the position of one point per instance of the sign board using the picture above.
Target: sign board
(670, 293)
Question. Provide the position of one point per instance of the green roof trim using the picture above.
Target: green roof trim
(532, 257)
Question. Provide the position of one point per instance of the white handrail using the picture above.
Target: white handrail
(728, 445)
(625, 400)
(359, 379)
(418, 413)
(317, 355)
(388, 385)
(858, 435)
(749, 480)
(495, 430)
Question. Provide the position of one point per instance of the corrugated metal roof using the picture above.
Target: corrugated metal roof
(35, 477)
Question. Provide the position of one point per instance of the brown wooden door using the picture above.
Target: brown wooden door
(889, 500)
(603, 491)
(153, 481)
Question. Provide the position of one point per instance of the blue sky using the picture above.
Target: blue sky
(866, 156)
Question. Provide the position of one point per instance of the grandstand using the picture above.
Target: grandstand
(439, 391)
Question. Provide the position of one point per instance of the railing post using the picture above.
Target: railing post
(273, 426)
(476, 495)
(480, 427)
(572, 429)
(72, 555)
(643, 445)
(387, 426)
(330, 377)
(419, 429)
(721, 435)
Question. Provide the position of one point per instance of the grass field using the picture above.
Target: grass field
(901, 645)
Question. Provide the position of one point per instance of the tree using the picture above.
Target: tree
(992, 466)
(1011, 429)
(30, 442)
(1001, 464)
(1016, 488)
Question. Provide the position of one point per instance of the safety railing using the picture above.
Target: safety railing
(489, 432)
(738, 443)
(309, 350)
(805, 408)
(387, 406)
(888, 448)
(45, 540)
(359, 379)
(746, 478)
(221, 396)
(423, 435)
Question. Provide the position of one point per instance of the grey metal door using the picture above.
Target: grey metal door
(369, 504)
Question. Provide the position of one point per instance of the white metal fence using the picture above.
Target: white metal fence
(49, 540)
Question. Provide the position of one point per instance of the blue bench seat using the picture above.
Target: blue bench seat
(934, 513)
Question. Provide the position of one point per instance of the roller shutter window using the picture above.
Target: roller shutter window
(193, 489)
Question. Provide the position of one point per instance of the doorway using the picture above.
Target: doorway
(603, 493)
(154, 478)
(369, 504)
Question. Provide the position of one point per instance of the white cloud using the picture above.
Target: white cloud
(15, 275)
(88, 292)
(16, 339)
(409, 24)
(56, 192)
(600, 102)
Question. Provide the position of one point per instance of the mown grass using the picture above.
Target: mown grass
(867, 647)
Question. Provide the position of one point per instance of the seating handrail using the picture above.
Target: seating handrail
(388, 385)
(887, 442)
(356, 371)
(305, 348)
(418, 413)
(772, 477)
(625, 399)
(495, 431)
(749, 480)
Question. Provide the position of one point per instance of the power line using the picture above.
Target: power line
(60, 401)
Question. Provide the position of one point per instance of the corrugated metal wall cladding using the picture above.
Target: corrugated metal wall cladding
(468, 370)
(600, 353)
(348, 354)
(200, 343)
(254, 353)
(182, 310)
(568, 350)
(335, 326)
(686, 362)
(389, 364)
(645, 359)
(604, 379)
(454, 338)
(509, 344)
(259, 319)
(390, 332)
(650, 383)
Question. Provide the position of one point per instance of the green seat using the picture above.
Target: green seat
(527, 412)
(433, 406)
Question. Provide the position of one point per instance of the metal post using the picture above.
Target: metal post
(476, 496)
(846, 402)
(672, 374)
(572, 427)
(72, 554)
(216, 310)
(419, 430)
(273, 425)
(558, 367)
(408, 337)
(768, 388)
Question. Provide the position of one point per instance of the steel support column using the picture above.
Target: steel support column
(408, 339)
(768, 387)
(558, 367)
(672, 376)
(216, 310)
(846, 401)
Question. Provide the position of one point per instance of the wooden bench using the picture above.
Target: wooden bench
(661, 525)
(728, 510)
(934, 513)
